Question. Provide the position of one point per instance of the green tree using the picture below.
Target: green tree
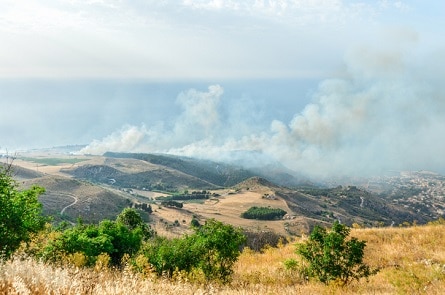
(212, 249)
(331, 257)
(20, 213)
(219, 245)
(130, 218)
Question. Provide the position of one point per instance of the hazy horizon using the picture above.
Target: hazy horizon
(324, 87)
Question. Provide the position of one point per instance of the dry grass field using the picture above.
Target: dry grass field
(411, 261)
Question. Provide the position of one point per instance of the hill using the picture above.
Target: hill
(67, 199)
(217, 173)
(103, 185)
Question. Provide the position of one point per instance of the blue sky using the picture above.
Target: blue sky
(324, 86)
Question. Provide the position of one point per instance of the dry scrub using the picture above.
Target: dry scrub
(411, 261)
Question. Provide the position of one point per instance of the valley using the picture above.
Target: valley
(99, 187)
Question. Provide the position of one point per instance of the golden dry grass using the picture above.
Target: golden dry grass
(411, 261)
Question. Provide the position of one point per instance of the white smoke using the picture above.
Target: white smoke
(198, 120)
(386, 112)
(125, 139)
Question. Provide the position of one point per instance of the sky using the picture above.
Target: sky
(326, 87)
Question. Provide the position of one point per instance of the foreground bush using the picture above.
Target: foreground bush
(331, 257)
(88, 242)
(20, 213)
(211, 250)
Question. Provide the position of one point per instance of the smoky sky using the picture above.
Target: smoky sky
(385, 111)
(325, 87)
(45, 113)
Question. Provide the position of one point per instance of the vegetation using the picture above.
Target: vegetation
(195, 195)
(89, 242)
(260, 240)
(263, 213)
(411, 261)
(331, 257)
(172, 204)
(144, 207)
(211, 250)
(20, 213)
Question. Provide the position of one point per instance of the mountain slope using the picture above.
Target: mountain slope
(217, 174)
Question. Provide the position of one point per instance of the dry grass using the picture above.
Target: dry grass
(411, 261)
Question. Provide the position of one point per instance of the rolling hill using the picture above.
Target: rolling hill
(66, 198)
(98, 187)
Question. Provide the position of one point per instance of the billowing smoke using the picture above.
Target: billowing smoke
(386, 112)
(199, 120)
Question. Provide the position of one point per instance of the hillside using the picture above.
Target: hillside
(218, 173)
(67, 199)
(103, 185)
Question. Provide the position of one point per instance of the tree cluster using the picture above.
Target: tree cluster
(263, 213)
(144, 206)
(172, 204)
(195, 195)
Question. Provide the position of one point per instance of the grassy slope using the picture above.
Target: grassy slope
(412, 261)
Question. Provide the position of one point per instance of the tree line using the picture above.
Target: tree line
(263, 213)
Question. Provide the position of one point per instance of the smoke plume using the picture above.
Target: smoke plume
(385, 112)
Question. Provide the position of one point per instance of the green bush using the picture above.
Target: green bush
(20, 213)
(114, 238)
(263, 213)
(219, 245)
(331, 257)
(195, 223)
(169, 255)
(212, 249)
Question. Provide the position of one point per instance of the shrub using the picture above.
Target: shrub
(260, 240)
(333, 258)
(20, 213)
(219, 245)
(114, 238)
(194, 223)
(167, 256)
(212, 249)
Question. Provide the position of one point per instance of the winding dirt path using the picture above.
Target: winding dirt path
(72, 204)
